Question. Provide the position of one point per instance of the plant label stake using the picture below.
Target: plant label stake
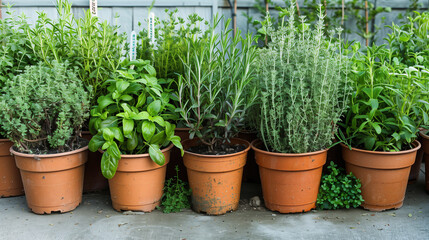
(133, 47)
(93, 7)
(151, 28)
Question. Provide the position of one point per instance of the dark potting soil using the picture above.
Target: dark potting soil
(222, 149)
(80, 143)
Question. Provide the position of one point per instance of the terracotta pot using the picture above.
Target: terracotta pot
(215, 180)
(138, 183)
(10, 179)
(384, 175)
(290, 181)
(52, 182)
(251, 170)
(176, 158)
(415, 168)
(94, 179)
(425, 146)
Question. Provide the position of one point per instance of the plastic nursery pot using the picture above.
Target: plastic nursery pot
(425, 146)
(10, 179)
(52, 182)
(176, 158)
(215, 180)
(138, 183)
(383, 175)
(251, 170)
(290, 181)
(94, 180)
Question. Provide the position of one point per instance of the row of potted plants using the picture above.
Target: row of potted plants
(298, 93)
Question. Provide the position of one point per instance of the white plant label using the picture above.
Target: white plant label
(133, 46)
(93, 7)
(151, 28)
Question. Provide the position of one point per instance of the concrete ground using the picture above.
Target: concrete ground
(95, 219)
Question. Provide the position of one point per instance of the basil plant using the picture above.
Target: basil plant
(132, 118)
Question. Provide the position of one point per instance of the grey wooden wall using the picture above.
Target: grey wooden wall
(133, 11)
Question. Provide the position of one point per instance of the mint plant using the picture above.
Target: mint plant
(43, 109)
(132, 118)
(176, 195)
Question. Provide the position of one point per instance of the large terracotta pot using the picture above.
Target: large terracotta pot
(176, 157)
(251, 170)
(10, 179)
(52, 182)
(425, 146)
(384, 175)
(215, 180)
(290, 182)
(94, 179)
(138, 183)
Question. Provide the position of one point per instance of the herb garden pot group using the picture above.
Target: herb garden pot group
(215, 180)
(10, 179)
(384, 175)
(290, 182)
(52, 182)
(138, 183)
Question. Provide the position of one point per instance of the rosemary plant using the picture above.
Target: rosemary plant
(211, 91)
(304, 86)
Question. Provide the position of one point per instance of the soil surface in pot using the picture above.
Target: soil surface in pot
(222, 149)
(81, 142)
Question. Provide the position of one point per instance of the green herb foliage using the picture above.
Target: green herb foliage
(43, 109)
(304, 86)
(132, 118)
(176, 195)
(211, 91)
(339, 190)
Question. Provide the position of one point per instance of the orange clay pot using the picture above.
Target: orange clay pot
(52, 182)
(10, 179)
(94, 179)
(176, 157)
(290, 181)
(425, 146)
(138, 183)
(384, 175)
(215, 180)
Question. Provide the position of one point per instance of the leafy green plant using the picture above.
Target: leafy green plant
(339, 190)
(176, 195)
(304, 86)
(211, 91)
(43, 109)
(389, 104)
(132, 118)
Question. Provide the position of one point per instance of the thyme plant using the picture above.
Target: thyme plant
(211, 90)
(304, 86)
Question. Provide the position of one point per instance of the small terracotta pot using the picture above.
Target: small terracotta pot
(52, 182)
(176, 157)
(138, 183)
(384, 175)
(94, 180)
(215, 180)
(10, 179)
(251, 170)
(425, 146)
(290, 181)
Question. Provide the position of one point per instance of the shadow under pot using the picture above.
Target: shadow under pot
(139, 182)
(52, 182)
(215, 180)
(290, 181)
(10, 183)
(383, 175)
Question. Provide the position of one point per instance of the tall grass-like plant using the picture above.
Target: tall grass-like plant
(304, 86)
(212, 88)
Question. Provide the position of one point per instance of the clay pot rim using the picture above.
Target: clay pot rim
(257, 141)
(218, 156)
(142, 155)
(183, 129)
(27, 155)
(423, 135)
(4, 140)
(385, 153)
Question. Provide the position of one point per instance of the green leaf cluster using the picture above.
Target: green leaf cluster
(132, 118)
(176, 195)
(43, 109)
(339, 190)
(211, 90)
(303, 86)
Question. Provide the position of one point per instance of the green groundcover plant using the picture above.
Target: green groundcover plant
(339, 190)
(211, 90)
(176, 195)
(304, 85)
(43, 109)
(132, 118)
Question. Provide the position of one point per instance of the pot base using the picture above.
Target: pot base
(54, 209)
(138, 208)
(290, 208)
(11, 192)
(376, 208)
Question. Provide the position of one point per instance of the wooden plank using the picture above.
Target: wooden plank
(105, 13)
(115, 3)
(140, 15)
(125, 19)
